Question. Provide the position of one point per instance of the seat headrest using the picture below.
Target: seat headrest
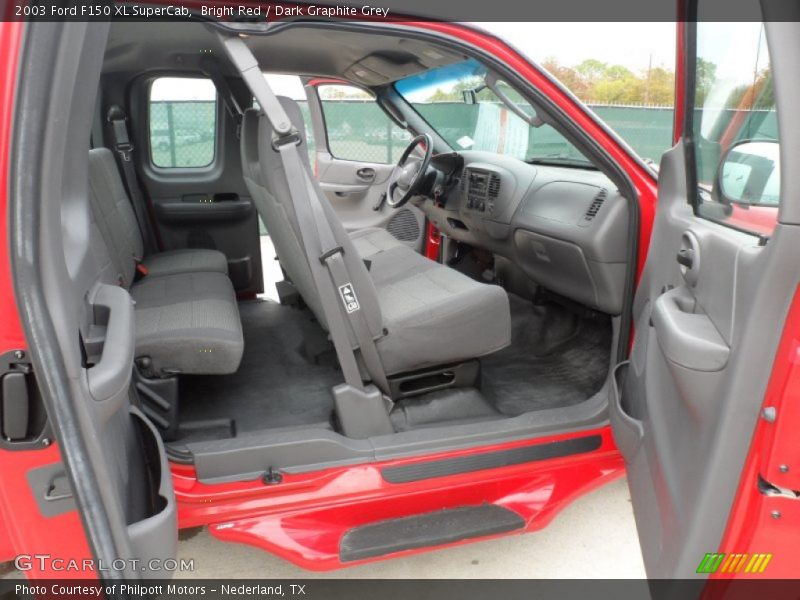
(295, 115)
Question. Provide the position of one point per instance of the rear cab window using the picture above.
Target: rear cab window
(182, 122)
(734, 153)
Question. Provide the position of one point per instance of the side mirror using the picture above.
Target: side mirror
(469, 96)
(749, 174)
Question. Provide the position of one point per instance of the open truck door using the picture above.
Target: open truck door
(715, 309)
(83, 472)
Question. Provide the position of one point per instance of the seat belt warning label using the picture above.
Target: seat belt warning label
(349, 299)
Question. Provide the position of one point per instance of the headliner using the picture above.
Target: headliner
(369, 59)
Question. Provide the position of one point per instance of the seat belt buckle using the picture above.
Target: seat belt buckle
(326, 256)
(140, 268)
(125, 150)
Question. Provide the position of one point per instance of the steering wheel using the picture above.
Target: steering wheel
(409, 172)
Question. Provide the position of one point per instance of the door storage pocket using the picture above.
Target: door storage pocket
(155, 535)
(627, 430)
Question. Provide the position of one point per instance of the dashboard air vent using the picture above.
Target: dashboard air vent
(494, 186)
(597, 202)
(463, 183)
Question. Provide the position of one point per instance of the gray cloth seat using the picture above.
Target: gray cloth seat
(372, 240)
(420, 313)
(117, 223)
(186, 315)
(189, 260)
(188, 323)
(435, 315)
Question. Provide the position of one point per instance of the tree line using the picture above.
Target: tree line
(597, 82)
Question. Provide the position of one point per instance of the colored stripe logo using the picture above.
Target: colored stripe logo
(733, 563)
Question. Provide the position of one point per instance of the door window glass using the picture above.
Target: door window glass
(735, 127)
(357, 127)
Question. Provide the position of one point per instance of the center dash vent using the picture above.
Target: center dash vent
(594, 207)
(494, 186)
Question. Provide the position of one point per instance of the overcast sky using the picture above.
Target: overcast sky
(628, 44)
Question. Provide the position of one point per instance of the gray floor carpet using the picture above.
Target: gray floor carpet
(276, 384)
(555, 359)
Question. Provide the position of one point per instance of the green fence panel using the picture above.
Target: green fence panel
(182, 134)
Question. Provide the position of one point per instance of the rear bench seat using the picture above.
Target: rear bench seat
(187, 319)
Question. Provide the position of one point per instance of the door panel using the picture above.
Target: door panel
(708, 313)
(191, 169)
(356, 150)
(221, 221)
(78, 320)
(356, 200)
(698, 369)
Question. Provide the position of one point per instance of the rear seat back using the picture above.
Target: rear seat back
(186, 317)
(114, 214)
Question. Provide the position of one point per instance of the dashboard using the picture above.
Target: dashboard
(565, 228)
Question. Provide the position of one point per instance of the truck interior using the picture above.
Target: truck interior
(372, 347)
(360, 258)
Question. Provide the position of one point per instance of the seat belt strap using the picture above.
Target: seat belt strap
(124, 149)
(331, 256)
(210, 67)
(338, 290)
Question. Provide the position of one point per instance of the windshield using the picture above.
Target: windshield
(458, 104)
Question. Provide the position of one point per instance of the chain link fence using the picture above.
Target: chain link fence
(182, 133)
(361, 131)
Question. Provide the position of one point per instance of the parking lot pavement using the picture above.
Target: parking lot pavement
(595, 537)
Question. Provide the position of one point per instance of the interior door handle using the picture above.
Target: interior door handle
(685, 257)
(688, 258)
(366, 174)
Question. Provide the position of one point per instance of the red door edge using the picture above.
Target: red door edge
(433, 242)
(11, 334)
(27, 534)
(759, 522)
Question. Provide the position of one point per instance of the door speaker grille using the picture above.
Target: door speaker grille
(404, 226)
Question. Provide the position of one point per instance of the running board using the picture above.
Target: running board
(429, 529)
